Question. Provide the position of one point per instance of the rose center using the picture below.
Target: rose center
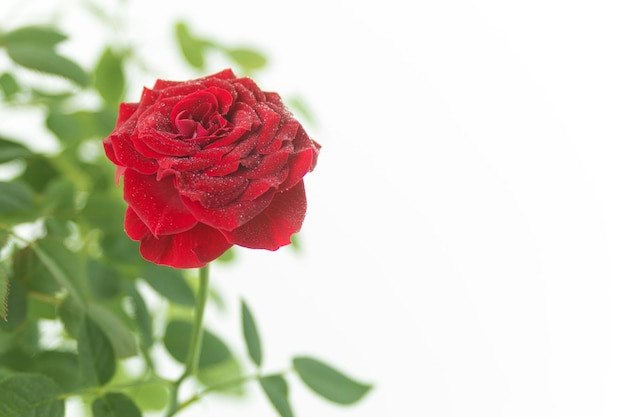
(199, 117)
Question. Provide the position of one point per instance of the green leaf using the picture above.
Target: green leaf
(328, 382)
(104, 280)
(39, 172)
(140, 313)
(61, 367)
(42, 36)
(44, 59)
(114, 404)
(247, 58)
(96, 358)
(122, 340)
(251, 334)
(169, 282)
(73, 127)
(276, 390)
(150, 396)
(178, 336)
(29, 269)
(70, 314)
(65, 266)
(8, 85)
(59, 197)
(10, 150)
(191, 47)
(16, 307)
(4, 290)
(30, 396)
(15, 197)
(298, 104)
(105, 212)
(109, 77)
(214, 377)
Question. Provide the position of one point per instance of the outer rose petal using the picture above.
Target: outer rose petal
(193, 248)
(135, 228)
(157, 203)
(274, 226)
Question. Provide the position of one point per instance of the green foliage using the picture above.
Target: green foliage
(328, 382)
(115, 404)
(251, 334)
(276, 390)
(96, 358)
(30, 396)
(195, 50)
(213, 350)
(65, 258)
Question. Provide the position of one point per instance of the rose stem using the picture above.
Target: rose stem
(193, 357)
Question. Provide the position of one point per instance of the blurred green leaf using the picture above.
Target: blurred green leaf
(104, 280)
(114, 404)
(65, 266)
(59, 197)
(251, 334)
(122, 340)
(277, 391)
(39, 172)
(191, 47)
(328, 382)
(302, 108)
(11, 150)
(43, 36)
(58, 228)
(247, 58)
(30, 396)
(44, 59)
(28, 268)
(70, 314)
(73, 127)
(8, 85)
(105, 212)
(16, 306)
(169, 282)
(178, 335)
(150, 396)
(109, 77)
(96, 358)
(15, 197)
(216, 375)
(4, 290)
(61, 367)
(119, 248)
(140, 313)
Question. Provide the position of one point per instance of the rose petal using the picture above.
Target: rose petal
(299, 164)
(134, 226)
(193, 248)
(274, 226)
(126, 110)
(124, 154)
(157, 203)
(231, 216)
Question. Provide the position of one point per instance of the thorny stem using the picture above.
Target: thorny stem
(193, 357)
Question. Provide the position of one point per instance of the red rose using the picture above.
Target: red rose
(207, 164)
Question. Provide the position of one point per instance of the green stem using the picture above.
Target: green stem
(193, 357)
(226, 384)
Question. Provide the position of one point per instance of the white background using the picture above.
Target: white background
(465, 243)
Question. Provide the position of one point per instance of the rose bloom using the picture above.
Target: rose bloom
(208, 164)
